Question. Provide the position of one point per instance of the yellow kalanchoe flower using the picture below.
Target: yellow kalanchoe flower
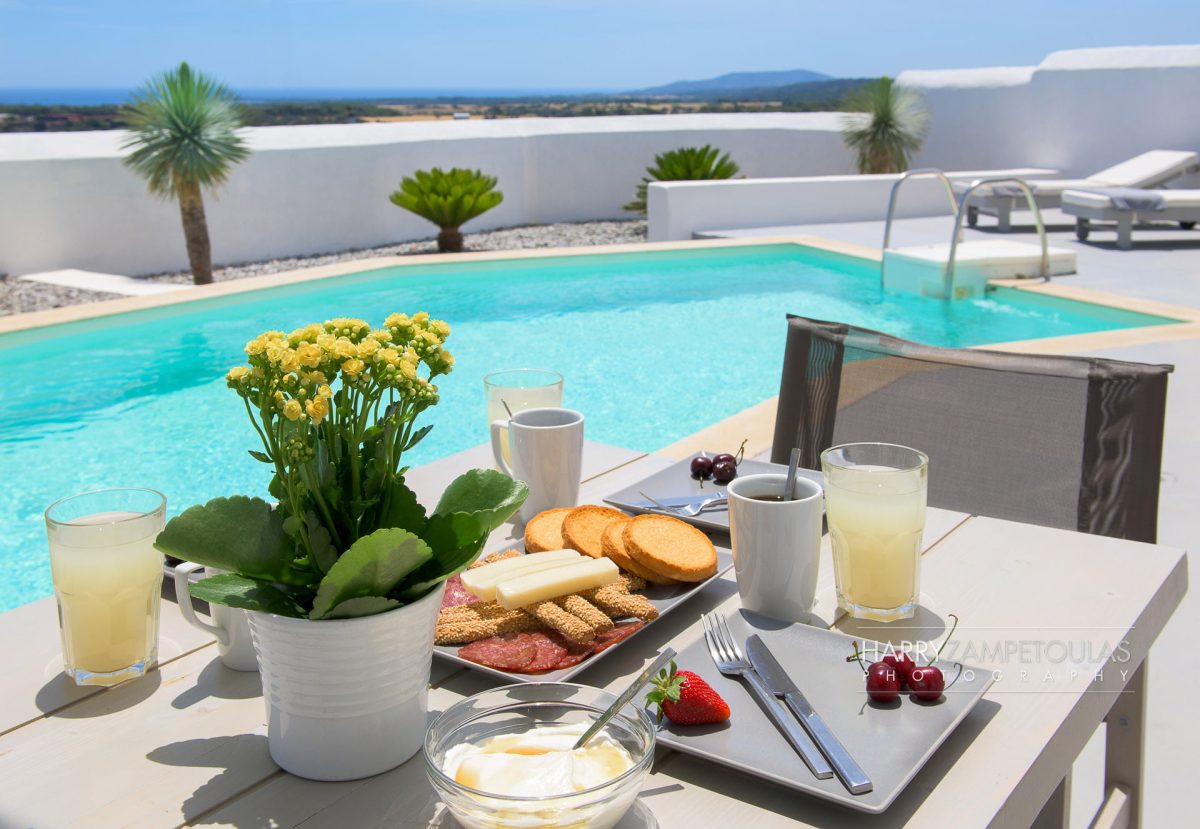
(317, 408)
(292, 410)
(353, 367)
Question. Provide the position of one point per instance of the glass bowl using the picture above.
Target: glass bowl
(515, 709)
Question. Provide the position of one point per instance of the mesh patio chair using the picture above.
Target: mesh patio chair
(1068, 442)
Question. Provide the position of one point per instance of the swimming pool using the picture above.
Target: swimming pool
(653, 346)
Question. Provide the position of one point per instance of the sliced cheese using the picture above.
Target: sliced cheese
(482, 581)
(529, 588)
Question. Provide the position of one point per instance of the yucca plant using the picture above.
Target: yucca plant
(184, 137)
(885, 125)
(449, 199)
(684, 164)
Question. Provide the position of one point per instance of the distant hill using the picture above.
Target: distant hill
(815, 93)
(734, 81)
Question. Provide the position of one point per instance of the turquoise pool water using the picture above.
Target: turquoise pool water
(653, 346)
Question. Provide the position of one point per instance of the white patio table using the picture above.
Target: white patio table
(186, 745)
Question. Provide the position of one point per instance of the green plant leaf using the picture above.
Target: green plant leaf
(456, 540)
(260, 456)
(361, 606)
(403, 510)
(247, 594)
(373, 566)
(488, 495)
(239, 534)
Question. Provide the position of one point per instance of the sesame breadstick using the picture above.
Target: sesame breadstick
(617, 603)
(593, 617)
(478, 620)
(569, 625)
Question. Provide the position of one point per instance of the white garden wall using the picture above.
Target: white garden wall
(67, 201)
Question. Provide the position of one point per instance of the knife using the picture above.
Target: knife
(781, 685)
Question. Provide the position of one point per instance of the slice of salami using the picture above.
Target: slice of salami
(456, 594)
(612, 637)
(507, 652)
(551, 647)
(575, 654)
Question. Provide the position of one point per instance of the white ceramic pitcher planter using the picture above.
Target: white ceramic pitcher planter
(346, 698)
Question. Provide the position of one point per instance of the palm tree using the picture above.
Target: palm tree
(184, 136)
(886, 125)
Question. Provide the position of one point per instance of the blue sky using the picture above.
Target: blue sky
(554, 44)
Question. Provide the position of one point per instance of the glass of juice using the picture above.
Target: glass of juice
(875, 506)
(520, 388)
(107, 579)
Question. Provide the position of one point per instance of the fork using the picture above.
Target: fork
(689, 510)
(730, 660)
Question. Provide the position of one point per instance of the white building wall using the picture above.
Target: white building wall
(67, 201)
(1078, 111)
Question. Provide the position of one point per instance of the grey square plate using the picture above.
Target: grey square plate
(666, 597)
(890, 743)
(676, 481)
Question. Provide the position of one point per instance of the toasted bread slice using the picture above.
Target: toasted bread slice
(670, 547)
(614, 547)
(583, 527)
(544, 531)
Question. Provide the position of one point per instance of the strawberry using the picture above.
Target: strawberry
(686, 699)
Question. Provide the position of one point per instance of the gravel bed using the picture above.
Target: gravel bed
(18, 296)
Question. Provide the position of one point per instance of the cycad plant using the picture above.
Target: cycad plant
(449, 199)
(184, 137)
(885, 126)
(684, 164)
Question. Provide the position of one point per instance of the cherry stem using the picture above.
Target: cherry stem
(857, 657)
(945, 641)
(741, 453)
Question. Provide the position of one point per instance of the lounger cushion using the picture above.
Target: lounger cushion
(1149, 169)
(1172, 198)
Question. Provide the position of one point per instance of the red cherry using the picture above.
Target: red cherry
(702, 467)
(883, 683)
(724, 457)
(902, 662)
(724, 471)
(927, 683)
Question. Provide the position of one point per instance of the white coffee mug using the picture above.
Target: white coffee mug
(230, 625)
(776, 545)
(547, 454)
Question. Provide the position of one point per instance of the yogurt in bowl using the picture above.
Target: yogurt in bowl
(504, 758)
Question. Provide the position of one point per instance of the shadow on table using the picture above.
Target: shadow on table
(239, 758)
(217, 681)
(638, 817)
(57, 697)
(925, 626)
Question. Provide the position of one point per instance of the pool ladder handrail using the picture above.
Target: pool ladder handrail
(911, 174)
(959, 208)
(948, 278)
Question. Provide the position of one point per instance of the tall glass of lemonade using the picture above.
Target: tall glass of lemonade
(520, 389)
(875, 504)
(107, 579)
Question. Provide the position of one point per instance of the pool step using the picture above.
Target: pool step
(921, 269)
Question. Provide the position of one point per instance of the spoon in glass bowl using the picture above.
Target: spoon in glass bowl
(657, 665)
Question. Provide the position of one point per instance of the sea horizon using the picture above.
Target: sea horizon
(101, 96)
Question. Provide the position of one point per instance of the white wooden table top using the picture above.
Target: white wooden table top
(186, 745)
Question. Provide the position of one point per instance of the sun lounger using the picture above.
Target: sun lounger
(1126, 206)
(1148, 170)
